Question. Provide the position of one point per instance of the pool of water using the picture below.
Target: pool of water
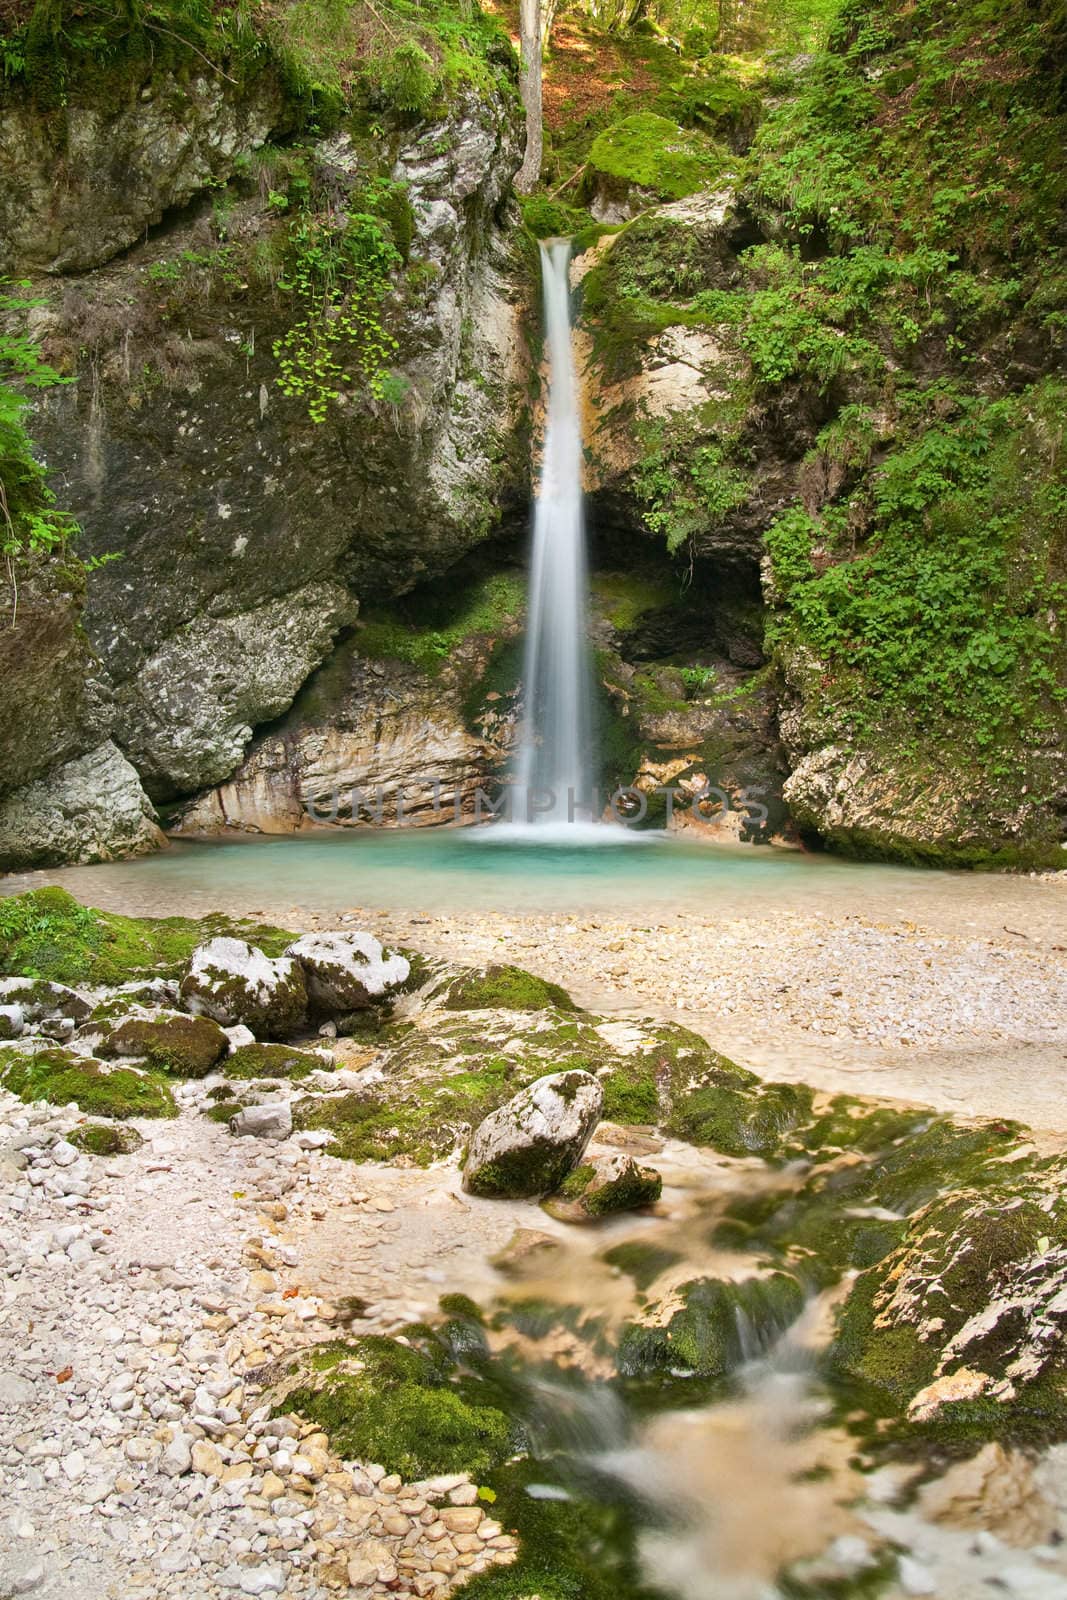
(455, 870)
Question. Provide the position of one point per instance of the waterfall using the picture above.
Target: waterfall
(553, 772)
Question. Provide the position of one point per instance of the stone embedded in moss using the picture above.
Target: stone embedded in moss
(651, 153)
(272, 1061)
(380, 1400)
(233, 982)
(60, 1076)
(184, 1047)
(529, 1145)
(507, 988)
(962, 1324)
(104, 1139)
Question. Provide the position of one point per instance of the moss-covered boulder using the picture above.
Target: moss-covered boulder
(235, 982)
(105, 1139)
(184, 1047)
(709, 1326)
(60, 1077)
(647, 157)
(272, 1061)
(504, 987)
(399, 1404)
(344, 972)
(529, 1145)
(604, 1186)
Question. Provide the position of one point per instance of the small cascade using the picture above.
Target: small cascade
(554, 770)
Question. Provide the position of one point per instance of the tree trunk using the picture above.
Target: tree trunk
(530, 89)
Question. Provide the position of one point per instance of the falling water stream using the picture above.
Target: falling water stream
(553, 769)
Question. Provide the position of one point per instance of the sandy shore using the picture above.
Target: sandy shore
(952, 995)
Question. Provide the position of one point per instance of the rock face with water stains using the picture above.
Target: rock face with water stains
(530, 1144)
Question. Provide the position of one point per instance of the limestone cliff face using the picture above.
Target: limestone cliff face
(247, 535)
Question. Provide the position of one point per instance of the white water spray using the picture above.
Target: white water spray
(553, 770)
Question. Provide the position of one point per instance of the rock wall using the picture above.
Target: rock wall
(235, 537)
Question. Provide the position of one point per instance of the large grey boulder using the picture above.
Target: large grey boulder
(345, 971)
(90, 809)
(233, 982)
(528, 1146)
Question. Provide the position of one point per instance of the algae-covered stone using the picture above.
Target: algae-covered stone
(711, 1325)
(397, 1404)
(529, 1145)
(60, 1076)
(345, 971)
(507, 988)
(605, 1185)
(105, 1139)
(271, 1061)
(187, 1047)
(233, 981)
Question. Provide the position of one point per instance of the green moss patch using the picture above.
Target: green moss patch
(656, 155)
(48, 934)
(383, 1401)
(60, 1076)
(104, 1139)
(272, 1061)
(185, 1047)
(718, 1325)
(506, 988)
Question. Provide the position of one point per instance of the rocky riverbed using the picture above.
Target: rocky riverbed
(228, 1359)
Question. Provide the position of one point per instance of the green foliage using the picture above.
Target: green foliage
(28, 519)
(338, 275)
(47, 934)
(60, 1076)
(949, 609)
(686, 481)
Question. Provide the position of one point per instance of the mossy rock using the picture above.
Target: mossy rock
(739, 1117)
(655, 155)
(272, 1061)
(604, 1187)
(105, 1139)
(718, 1325)
(971, 1295)
(49, 934)
(506, 988)
(42, 1000)
(184, 1047)
(60, 1076)
(380, 1400)
(641, 1260)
